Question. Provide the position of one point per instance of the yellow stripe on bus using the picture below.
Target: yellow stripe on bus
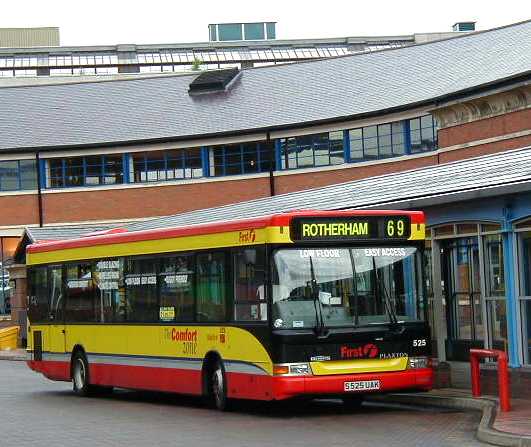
(275, 235)
(358, 366)
(418, 232)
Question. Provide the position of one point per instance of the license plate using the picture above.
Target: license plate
(362, 385)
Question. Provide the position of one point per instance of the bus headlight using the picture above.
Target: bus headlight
(292, 369)
(419, 362)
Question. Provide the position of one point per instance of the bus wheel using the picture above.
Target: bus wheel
(219, 387)
(80, 375)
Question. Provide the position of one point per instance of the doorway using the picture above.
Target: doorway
(462, 293)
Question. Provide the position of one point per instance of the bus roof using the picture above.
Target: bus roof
(121, 237)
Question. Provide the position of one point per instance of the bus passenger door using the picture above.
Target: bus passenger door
(57, 301)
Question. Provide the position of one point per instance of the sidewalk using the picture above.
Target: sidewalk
(13, 354)
(508, 429)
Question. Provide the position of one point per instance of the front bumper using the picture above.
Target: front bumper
(412, 379)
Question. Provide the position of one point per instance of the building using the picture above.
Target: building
(29, 37)
(398, 128)
(230, 48)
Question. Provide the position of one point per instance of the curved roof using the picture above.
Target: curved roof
(506, 172)
(157, 109)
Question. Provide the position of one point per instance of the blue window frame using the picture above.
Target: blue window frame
(16, 175)
(393, 139)
(322, 149)
(237, 159)
(379, 141)
(162, 166)
(91, 170)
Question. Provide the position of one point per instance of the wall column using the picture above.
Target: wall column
(17, 273)
(509, 255)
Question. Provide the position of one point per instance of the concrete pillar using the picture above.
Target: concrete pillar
(17, 273)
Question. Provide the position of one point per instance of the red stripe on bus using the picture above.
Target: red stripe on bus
(286, 387)
(240, 385)
(211, 228)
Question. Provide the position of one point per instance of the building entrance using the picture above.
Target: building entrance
(462, 293)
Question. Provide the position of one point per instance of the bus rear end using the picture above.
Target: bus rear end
(348, 306)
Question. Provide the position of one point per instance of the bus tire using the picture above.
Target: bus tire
(218, 386)
(80, 375)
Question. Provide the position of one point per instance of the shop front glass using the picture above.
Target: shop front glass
(473, 287)
(524, 263)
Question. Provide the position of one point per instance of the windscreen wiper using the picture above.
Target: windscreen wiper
(319, 323)
(387, 299)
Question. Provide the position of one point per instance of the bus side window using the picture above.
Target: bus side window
(211, 287)
(249, 284)
(109, 288)
(38, 302)
(176, 287)
(141, 290)
(80, 303)
(55, 284)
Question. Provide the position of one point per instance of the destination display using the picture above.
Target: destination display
(351, 228)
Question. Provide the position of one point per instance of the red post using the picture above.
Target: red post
(474, 372)
(503, 382)
(503, 375)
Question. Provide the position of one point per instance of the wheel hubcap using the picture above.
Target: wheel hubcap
(79, 374)
(217, 386)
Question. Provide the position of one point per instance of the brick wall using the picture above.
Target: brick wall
(485, 128)
(150, 201)
(19, 210)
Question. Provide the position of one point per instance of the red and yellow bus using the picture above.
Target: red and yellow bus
(307, 303)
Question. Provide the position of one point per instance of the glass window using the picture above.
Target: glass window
(57, 302)
(305, 151)
(110, 292)
(173, 164)
(249, 285)
(356, 144)
(422, 134)
(213, 33)
(236, 159)
(176, 285)
(80, 302)
(370, 142)
(9, 176)
(385, 147)
(526, 330)
(525, 263)
(254, 31)
(497, 320)
(494, 280)
(230, 31)
(211, 287)
(353, 287)
(270, 27)
(397, 131)
(38, 300)
(28, 174)
(85, 171)
(141, 290)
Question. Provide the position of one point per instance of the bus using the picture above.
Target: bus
(296, 304)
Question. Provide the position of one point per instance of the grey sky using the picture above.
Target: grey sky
(165, 21)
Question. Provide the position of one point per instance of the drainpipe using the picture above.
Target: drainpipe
(39, 189)
(272, 158)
